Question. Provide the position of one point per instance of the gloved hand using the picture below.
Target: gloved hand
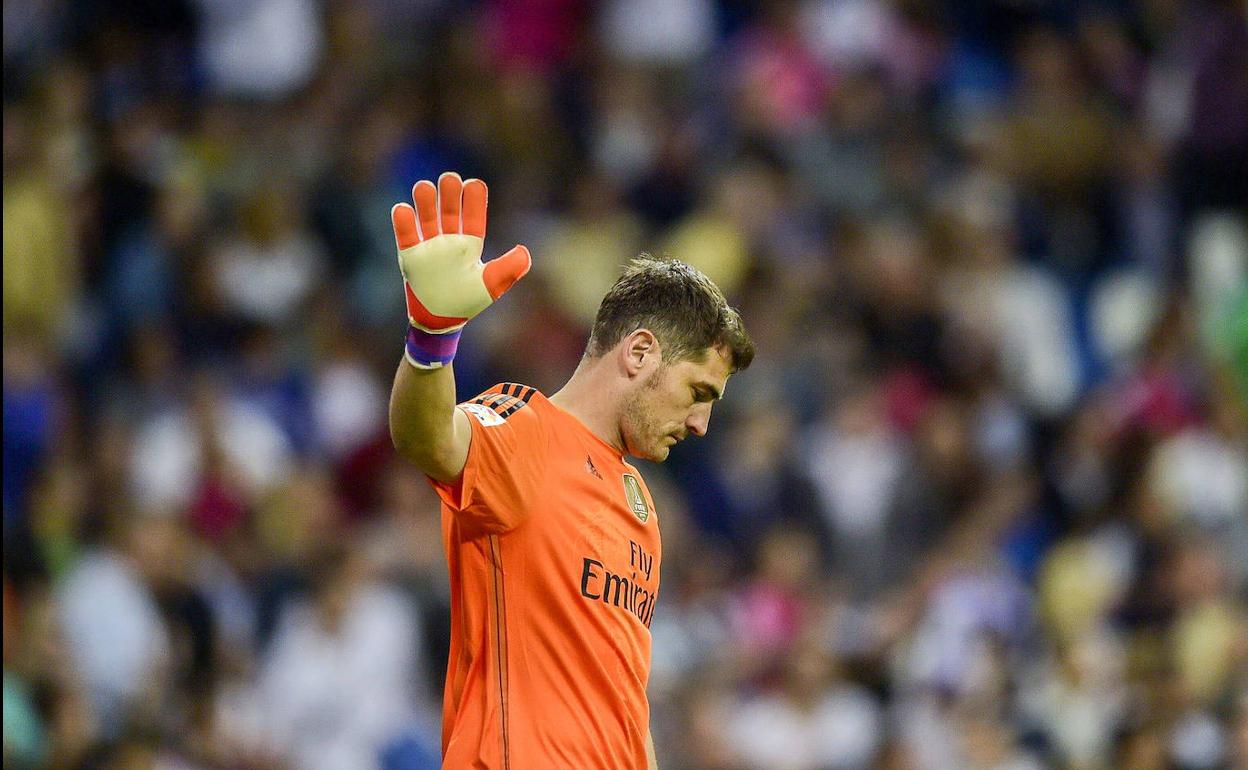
(440, 243)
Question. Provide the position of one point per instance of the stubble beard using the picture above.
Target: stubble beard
(642, 436)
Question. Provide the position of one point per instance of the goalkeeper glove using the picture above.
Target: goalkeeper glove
(444, 281)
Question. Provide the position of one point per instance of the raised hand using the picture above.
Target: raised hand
(440, 242)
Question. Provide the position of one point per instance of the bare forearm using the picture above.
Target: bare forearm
(425, 426)
(651, 758)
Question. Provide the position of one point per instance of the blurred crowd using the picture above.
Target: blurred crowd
(981, 502)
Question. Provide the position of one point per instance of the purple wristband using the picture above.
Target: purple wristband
(430, 351)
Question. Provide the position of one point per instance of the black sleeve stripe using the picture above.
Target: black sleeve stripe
(494, 400)
(502, 402)
(510, 397)
(519, 391)
(511, 410)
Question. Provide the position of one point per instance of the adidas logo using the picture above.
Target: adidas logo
(589, 467)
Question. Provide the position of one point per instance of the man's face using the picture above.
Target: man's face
(672, 402)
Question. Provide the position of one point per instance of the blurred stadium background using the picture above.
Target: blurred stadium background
(981, 502)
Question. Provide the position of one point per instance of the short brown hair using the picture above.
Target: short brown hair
(686, 311)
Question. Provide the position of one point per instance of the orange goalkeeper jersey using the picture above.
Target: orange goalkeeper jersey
(552, 545)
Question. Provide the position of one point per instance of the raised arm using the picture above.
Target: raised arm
(440, 241)
(426, 428)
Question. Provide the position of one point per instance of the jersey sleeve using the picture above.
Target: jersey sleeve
(503, 472)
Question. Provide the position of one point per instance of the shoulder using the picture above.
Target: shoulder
(503, 399)
(498, 404)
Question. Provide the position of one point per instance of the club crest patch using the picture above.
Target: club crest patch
(636, 499)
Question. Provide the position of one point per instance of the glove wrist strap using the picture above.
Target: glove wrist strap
(430, 351)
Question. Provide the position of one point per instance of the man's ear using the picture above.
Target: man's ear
(640, 352)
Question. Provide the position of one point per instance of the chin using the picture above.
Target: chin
(655, 454)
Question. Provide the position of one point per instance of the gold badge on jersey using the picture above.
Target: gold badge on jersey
(636, 500)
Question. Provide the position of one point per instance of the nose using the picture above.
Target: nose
(698, 420)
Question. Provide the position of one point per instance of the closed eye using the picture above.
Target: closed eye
(704, 395)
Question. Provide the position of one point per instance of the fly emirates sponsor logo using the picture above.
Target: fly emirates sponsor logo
(628, 592)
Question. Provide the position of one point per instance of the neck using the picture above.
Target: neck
(591, 397)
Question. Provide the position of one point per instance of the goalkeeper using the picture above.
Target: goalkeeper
(551, 536)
